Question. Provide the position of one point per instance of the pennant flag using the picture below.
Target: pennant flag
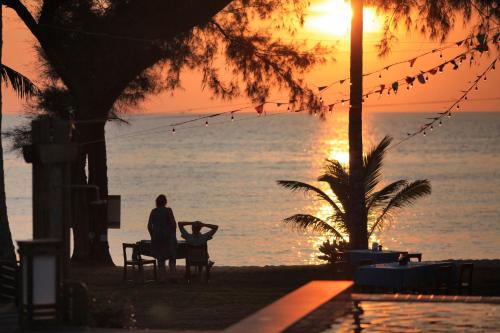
(382, 88)
(260, 109)
(409, 79)
(421, 78)
(481, 38)
(412, 62)
(455, 65)
(460, 43)
(433, 71)
(342, 81)
(322, 88)
(395, 86)
(441, 67)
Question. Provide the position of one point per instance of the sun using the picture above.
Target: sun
(333, 17)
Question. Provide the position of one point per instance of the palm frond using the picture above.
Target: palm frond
(306, 221)
(372, 164)
(300, 186)
(381, 197)
(405, 197)
(20, 83)
(339, 188)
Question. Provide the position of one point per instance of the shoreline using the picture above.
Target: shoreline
(233, 293)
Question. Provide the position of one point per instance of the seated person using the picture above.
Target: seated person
(196, 238)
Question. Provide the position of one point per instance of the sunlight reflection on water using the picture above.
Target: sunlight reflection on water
(227, 175)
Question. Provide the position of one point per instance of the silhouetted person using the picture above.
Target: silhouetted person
(162, 228)
(197, 238)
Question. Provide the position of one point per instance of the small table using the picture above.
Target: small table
(377, 257)
(395, 277)
(145, 248)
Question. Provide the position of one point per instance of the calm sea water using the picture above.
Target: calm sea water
(225, 174)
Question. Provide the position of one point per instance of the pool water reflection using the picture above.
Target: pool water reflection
(388, 317)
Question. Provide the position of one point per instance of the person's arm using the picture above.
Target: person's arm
(213, 229)
(182, 228)
(150, 224)
(172, 225)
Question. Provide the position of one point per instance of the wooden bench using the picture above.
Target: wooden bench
(291, 308)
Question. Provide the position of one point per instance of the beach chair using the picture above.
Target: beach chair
(417, 256)
(197, 256)
(465, 278)
(136, 260)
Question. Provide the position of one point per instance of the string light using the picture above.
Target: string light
(206, 123)
(447, 113)
(173, 130)
(413, 59)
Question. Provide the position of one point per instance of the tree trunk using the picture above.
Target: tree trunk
(6, 245)
(98, 175)
(356, 216)
(80, 200)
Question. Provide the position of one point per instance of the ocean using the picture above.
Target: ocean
(225, 173)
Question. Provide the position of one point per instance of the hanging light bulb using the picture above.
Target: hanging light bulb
(380, 75)
(477, 88)
(440, 123)
(425, 133)
(466, 98)
(485, 78)
(206, 123)
(288, 109)
(321, 99)
(458, 106)
(343, 103)
(440, 54)
(232, 118)
(173, 130)
(449, 114)
(432, 127)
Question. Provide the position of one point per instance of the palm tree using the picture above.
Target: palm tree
(24, 88)
(380, 204)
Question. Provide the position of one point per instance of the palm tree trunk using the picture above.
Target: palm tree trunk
(356, 217)
(6, 245)
(98, 175)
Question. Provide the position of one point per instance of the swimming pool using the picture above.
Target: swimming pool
(388, 317)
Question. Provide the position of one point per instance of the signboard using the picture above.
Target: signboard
(114, 211)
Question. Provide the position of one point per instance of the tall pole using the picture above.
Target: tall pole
(356, 217)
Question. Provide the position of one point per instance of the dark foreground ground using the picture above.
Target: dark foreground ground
(232, 294)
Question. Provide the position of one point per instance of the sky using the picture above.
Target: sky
(328, 23)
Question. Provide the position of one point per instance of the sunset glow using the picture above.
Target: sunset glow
(333, 17)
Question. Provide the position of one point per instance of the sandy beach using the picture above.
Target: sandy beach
(232, 294)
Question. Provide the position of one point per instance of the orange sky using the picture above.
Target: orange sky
(19, 53)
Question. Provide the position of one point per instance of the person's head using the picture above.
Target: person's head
(161, 200)
(196, 227)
